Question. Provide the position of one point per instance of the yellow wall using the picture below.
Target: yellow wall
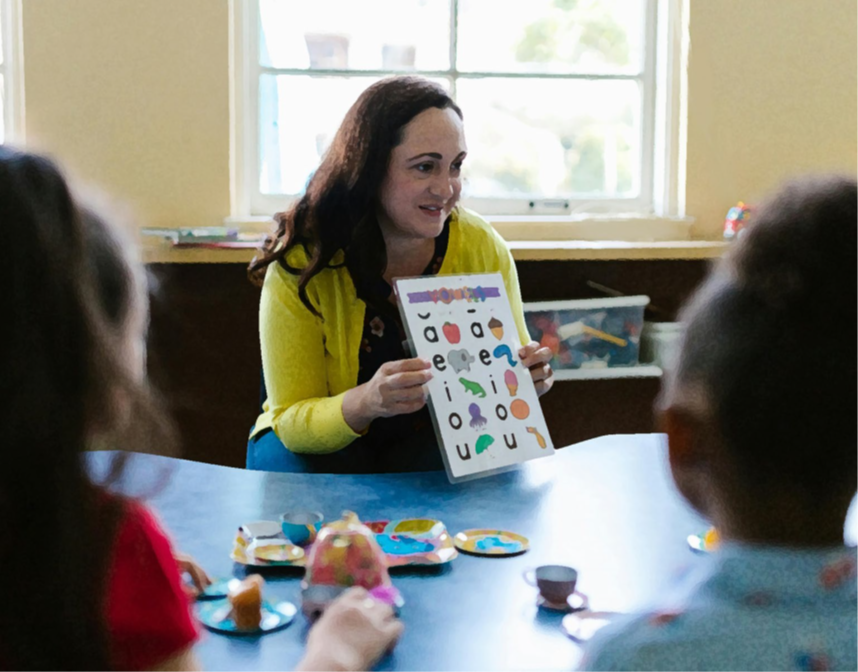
(133, 95)
(771, 94)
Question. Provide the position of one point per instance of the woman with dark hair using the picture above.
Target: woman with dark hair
(91, 581)
(343, 395)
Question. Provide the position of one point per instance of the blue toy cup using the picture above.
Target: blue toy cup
(301, 527)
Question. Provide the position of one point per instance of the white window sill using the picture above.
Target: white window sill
(627, 228)
(531, 238)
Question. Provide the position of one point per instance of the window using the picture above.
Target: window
(11, 99)
(559, 96)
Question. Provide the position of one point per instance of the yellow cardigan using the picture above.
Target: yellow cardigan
(310, 363)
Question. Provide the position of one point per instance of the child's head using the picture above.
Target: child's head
(73, 314)
(760, 409)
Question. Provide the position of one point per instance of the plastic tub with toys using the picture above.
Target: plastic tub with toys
(588, 333)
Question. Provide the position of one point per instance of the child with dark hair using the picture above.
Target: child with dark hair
(760, 418)
(95, 567)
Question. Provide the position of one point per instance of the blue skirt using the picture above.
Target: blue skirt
(416, 452)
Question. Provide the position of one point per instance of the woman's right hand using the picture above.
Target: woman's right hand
(353, 633)
(395, 389)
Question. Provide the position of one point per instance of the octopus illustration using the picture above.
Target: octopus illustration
(477, 419)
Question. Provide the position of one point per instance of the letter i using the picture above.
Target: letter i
(447, 390)
(494, 387)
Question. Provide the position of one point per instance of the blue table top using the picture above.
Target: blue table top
(607, 507)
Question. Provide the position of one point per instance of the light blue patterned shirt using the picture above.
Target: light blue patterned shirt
(752, 608)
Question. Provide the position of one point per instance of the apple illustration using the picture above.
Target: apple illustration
(451, 332)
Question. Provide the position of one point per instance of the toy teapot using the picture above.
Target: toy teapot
(345, 554)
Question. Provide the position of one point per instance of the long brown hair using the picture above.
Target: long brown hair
(339, 209)
(64, 380)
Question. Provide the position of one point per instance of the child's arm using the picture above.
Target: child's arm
(186, 661)
(353, 633)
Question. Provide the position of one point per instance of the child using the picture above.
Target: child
(91, 581)
(760, 419)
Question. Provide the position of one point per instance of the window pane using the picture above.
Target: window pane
(397, 35)
(298, 117)
(551, 36)
(551, 138)
(2, 109)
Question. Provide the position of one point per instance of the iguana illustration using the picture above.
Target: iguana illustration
(474, 388)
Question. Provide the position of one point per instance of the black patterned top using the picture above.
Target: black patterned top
(404, 442)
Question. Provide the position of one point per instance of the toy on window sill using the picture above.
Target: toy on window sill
(738, 217)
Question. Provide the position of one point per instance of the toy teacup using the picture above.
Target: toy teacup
(301, 527)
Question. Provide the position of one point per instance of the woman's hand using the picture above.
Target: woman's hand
(200, 580)
(536, 358)
(395, 389)
(353, 632)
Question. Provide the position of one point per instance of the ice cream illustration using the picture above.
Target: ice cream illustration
(511, 382)
(539, 438)
(496, 327)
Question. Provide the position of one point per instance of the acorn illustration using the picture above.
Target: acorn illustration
(496, 327)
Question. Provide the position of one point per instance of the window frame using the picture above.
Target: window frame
(662, 91)
(12, 71)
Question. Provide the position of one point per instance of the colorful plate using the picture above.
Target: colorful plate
(576, 602)
(582, 625)
(257, 553)
(409, 541)
(414, 541)
(491, 542)
(705, 542)
(274, 550)
(218, 589)
(215, 616)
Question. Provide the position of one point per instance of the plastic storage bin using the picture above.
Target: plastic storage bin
(589, 333)
(660, 342)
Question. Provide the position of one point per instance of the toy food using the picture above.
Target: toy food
(246, 601)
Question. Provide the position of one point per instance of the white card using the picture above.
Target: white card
(484, 405)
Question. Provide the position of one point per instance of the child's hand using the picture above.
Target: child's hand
(536, 358)
(353, 632)
(200, 580)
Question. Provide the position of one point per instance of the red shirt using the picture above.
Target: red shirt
(148, 613)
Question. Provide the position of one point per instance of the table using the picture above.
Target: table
(606, 507)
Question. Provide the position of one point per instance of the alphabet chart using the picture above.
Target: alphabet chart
(484, 405)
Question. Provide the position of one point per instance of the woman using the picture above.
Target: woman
(91, 579)
(343, 395)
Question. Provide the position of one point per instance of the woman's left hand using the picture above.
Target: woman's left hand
(536, 358)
